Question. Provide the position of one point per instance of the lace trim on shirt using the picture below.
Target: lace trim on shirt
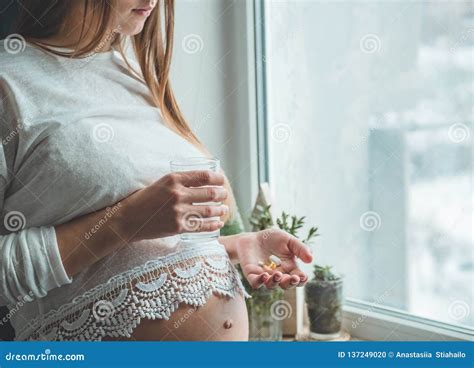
(153, 291)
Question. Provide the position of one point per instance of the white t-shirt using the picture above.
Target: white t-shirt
(78, 135)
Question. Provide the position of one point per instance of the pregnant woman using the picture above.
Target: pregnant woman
(91, 214)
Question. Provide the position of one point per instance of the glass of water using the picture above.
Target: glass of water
(192, 220)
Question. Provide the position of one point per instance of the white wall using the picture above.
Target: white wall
(210, 75)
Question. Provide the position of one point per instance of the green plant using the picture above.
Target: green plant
(231, 227)
(323, 296)
(291, 224)
(262, 220)
(294, 225)
(324, 273)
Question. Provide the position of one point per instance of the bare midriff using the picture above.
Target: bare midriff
(221, 319)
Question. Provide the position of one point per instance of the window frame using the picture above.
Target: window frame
(261, 91)
(378, 322)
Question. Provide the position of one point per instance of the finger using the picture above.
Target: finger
(205, 211)
(200, 178)
(208, 226)
(302, 276)
(193, 223)
(298, 272)
(274, 280)
(300, 249)
(303, 281)
(295, 280)
(291, 267)
(207, 194)
(285, 282)
(256, 280)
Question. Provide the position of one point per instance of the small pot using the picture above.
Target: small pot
(324, 301)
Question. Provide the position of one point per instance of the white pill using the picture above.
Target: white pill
(275, 260)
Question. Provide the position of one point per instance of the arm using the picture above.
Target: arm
(157, 211)
(30, 264)
(81, 245)
(36, 260)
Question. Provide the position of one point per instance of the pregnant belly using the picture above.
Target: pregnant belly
(192, 293)
(211, 303)
(220, 319)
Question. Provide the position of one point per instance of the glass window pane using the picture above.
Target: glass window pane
(369, 130)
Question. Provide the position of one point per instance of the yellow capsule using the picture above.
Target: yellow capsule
(267, 268)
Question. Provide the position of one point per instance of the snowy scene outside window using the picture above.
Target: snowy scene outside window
(370, 123)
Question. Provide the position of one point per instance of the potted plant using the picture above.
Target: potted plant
(324, 298)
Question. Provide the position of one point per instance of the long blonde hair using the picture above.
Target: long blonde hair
(153, 48)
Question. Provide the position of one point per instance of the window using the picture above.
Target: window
(368, 131)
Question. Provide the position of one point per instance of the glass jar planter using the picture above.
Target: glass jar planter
(324, 302)
(264, 324)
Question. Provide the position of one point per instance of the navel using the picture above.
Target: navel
(228, 324)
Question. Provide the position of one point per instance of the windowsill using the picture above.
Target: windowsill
(363, 321)
(367, 321)
(304, 337)
(370, 322)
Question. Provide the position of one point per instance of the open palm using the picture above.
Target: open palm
(281, 244)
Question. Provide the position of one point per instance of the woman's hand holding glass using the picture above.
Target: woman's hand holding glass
(166, 208)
